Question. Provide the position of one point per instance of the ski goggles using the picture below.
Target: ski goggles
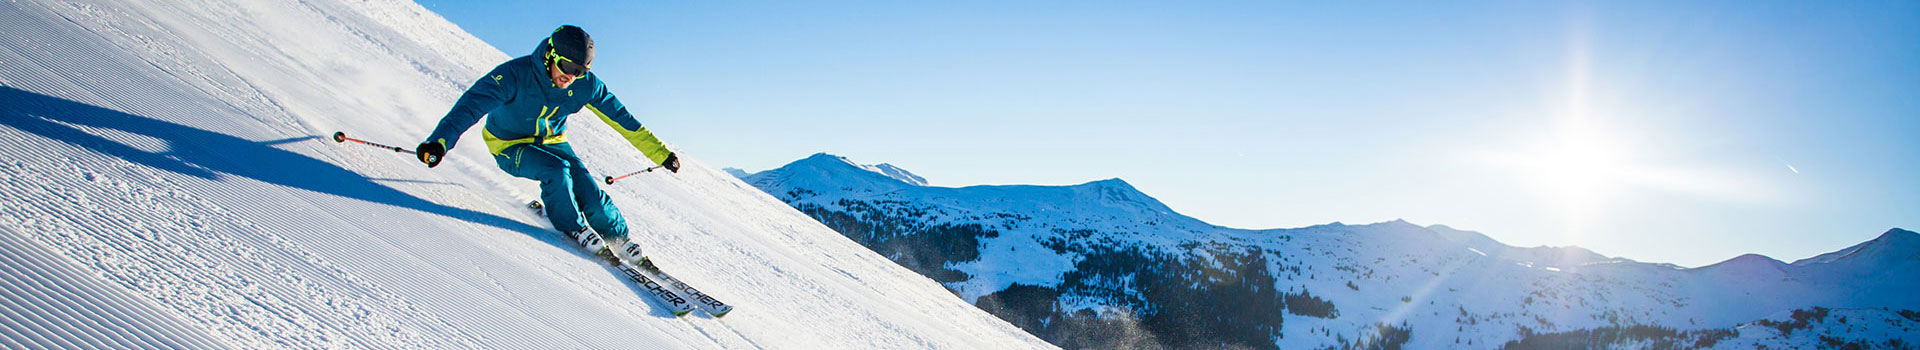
(566, 65)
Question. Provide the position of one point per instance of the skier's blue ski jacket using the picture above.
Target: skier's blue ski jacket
(523, 106)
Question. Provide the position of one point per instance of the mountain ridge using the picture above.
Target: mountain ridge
(1087, 266)
(1569, 256)
(1898, 242)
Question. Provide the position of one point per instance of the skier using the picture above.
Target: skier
(528, 100)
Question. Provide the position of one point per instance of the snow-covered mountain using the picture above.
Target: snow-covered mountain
(167, 183)
(1102, 265)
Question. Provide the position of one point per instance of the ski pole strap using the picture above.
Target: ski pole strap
(341, 136)
(611, 179)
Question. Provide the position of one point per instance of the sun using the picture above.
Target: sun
(1577, 164)
(1577, 167)
(1572, 172)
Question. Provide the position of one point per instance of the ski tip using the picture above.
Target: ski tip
(722, 313)
(680, 313)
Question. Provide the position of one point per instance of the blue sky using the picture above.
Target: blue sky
(1666, 131)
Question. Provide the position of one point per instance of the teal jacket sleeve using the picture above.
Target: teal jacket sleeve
(608, 107)
(488, 93)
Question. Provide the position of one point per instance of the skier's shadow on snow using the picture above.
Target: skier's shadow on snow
(208, 155)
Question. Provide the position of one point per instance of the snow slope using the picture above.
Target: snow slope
(1051, 258)
(165, 184)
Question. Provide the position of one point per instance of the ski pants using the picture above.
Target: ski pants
(572, 196)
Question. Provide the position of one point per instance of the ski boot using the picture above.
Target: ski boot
(627, 251)
(591, 241)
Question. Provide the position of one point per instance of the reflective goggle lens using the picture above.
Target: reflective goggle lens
(566, 65)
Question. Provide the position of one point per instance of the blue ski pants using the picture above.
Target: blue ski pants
(572, 196)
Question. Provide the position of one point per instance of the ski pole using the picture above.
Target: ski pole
(341, 136)
(611, 179)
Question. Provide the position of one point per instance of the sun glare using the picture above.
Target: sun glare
(1576, 168)
(1577, 165)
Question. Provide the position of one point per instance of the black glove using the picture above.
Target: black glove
(430, 153)
(672, 163)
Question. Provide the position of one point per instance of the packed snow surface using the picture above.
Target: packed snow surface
(168, 183)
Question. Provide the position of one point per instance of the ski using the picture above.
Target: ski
(713, 306)
(678, 305)
(639, 274)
